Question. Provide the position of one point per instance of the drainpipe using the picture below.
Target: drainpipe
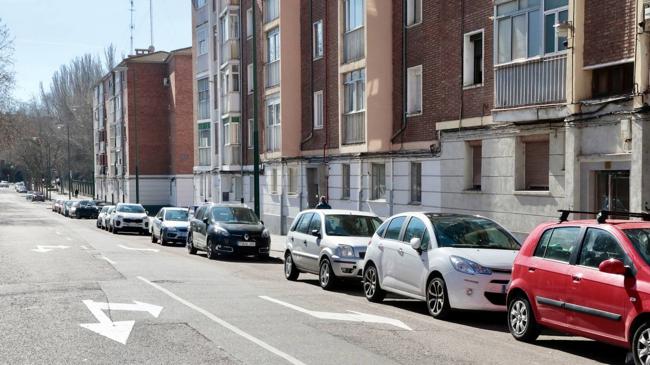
(462, 55)
(242, 117)
(392, 181)
(360, 196)
(404, 75)
(311, 74)
(325, 93)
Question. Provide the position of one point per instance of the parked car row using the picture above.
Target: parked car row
(4, 184)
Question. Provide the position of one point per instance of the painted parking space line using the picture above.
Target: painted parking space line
(290, 359)
(84, 247)
(138, 249)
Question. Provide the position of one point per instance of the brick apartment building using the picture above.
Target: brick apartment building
(510, 109)
(143, 120)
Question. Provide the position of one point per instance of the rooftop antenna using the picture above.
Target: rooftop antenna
(132, 26)
(151, 47)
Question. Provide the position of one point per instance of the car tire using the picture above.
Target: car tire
(521, 319)
(437, 298)
(290, 270)
(263, 256)
(153, 238)
(371, 287)
(326, 277)
(190, 245)
(640, 342)
(115, 230)
(161, 240)
(210, 252)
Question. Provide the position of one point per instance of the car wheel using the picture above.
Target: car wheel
(437, 300)
(263, 256)
(153, 238)
(290, 270)
(190, 245)
(371, 287)
(521, 320)
(641, 344)
(162, 239)
(326, 276)
(115, 230)
(209, 251)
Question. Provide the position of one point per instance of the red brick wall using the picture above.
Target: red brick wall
(437, 46)
(322, 74)
(609, 31)
(148, 109)
(181, 119)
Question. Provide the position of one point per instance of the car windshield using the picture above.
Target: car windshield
(351, 225)
(471, 232)
(87, 203)
(234, 215)
(176, 215)
(130, 209)
(640, 238)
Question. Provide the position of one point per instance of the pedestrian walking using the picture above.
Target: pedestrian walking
(76, 193)
(323, 203)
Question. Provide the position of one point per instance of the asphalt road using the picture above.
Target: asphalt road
(74, 299)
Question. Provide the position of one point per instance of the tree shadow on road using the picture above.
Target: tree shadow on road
(596, 351)
(347, 287)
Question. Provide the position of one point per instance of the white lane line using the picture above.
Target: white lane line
(138, 249)
(84, 247)
(68, 238)
(58, 233)
(221, 322)
(107, 259)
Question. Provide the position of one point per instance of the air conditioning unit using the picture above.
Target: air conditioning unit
(166, 81)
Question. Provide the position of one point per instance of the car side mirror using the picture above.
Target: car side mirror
(613, 266)
(206, 220)
(416, 243)
(262, 222)
(316, 233)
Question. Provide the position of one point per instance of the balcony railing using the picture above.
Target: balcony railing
(272, 71)
(225, 3)
(538, 81)
(229, 51)
(204, 156)
(230, 103)
(232, 154)
(354, 45)
(354, 128)
(273, 138)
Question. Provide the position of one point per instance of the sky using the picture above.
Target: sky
(50, 33)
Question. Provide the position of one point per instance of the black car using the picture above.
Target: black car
(86, 209)
(38, 197)
(220, 229)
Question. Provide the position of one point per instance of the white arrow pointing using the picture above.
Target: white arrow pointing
(352, 316)
(42, 249)
(138, 249)
(116, 331)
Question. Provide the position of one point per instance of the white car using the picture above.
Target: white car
(170, 225)
(4, 184)
(103, 215)
(330, 243)
(129, 217)
(450, 261)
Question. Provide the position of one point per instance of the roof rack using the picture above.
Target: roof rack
(603, 215)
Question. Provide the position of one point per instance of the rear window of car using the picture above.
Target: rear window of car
(558, 244)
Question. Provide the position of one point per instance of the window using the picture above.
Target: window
(202, 40)
(382, 229)
(414, 90)
(229, 27)
(473, 58)
(249, 22)
(203, 99)
(305, 222)
(345, 181)
(200, 3)
(416, 182)
(318, 39)
(378, 185)
(355, 93)
(558, 244)
(249, 78)
(215, 82)
(204, 144)
(354, 14)
(394, 228)
(476, 161)
(415, 229)
(599, 246)
(351, 225)
(413, 12)
(274, 181)
(613, 80)
(293, 180)
(271, 10)
(250, 133)
(273, 124)
(231, 131)
(536, 162)
(316, 223)
(273, 56)
(525, 29)
(318, 109)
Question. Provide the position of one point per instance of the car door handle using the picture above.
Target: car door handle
(305, 242)
(531, 269)
(400, 251)
(381, 247)
(576, 278)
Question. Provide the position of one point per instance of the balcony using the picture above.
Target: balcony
(272, 73)
(273, 138)
(102, 147)
(230, 103)
(229, 51)
(232, 154)
(533, 82)
(223, 4)
(354, 131)
(204, 156)
(354, 45)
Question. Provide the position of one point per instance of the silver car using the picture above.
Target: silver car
(103, 216)
(170, 225)
(329, 243)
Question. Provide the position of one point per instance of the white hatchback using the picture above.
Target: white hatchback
(450, 261)
(330, 243)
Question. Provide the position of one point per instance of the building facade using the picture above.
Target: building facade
(510, 109)
(143, 130)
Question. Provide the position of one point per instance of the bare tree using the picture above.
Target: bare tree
(6, 67)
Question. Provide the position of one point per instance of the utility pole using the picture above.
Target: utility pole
(256, 139)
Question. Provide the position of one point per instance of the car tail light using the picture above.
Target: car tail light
(369, 242)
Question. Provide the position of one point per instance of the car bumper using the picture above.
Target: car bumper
(232, 246)
(477, 292)
(347, 267)
(175, 236)
(122, 226)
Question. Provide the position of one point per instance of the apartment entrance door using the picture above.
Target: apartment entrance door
(312, 187)
(613, 190)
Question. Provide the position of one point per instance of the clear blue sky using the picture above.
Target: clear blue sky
(49, 33)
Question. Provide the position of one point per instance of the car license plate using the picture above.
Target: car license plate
(246, 244)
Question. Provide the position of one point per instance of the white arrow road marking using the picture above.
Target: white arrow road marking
(116, 331)
(107, 259)
(352, 316)
(41, 249)
(84, 247)
(138, 249)
(290, 359)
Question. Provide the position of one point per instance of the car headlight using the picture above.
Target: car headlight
(468, 267)
(346, 251)
(119, 217)
(265, 233)
(221, 231)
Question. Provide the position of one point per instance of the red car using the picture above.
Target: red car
(589, 278)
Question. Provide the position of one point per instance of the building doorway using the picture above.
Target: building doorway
(312, 187)
(613, 190)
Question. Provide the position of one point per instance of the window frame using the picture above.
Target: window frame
(574, 254)
(416, 13)
(374, 181)
(293, 180)
(202, 47)
(249, 133)
(354, 82)
(318, 116)
(203, 96)
(345, 181)
(468, 64)
(249, 23)
(249, 78)
(418, 188)
(406, 228)
(347, 19)
(583, 243)
(414, 76)
(318, 44)
(401, 229)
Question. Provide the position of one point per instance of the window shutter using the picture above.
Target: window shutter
(536, 160)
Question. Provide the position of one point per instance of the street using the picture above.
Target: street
(71, 293)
